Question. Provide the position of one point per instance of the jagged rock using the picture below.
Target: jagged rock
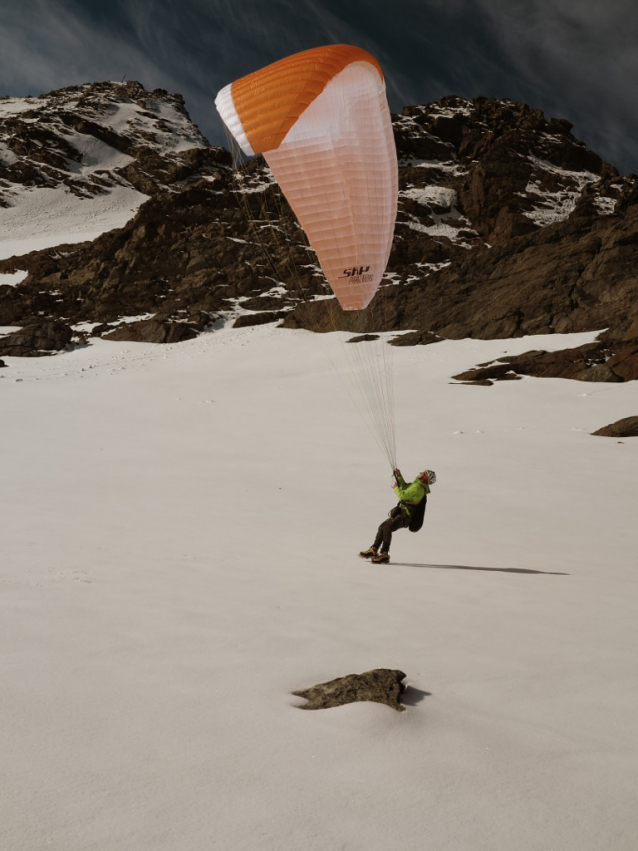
(507, 226)
(486, 375)
(264, 302)
(152, 331)
(326, 315)
(380, 685)
(102, 328)
(591, 362)
(625, 363)
(627, 427)
(2, 363)
(36, 339)
(46, 136)
(363, 338)
(248, 319)
(416, 338)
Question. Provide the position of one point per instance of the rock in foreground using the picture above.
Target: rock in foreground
(382, 685)
(602, 360)
(627, 427)
(39, 338)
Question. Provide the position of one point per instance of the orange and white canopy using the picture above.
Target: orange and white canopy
(322, 122)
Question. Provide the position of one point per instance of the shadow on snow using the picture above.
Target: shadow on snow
(411, 696)
(468, 567)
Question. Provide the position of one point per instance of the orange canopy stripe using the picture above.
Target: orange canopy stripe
(269, 101)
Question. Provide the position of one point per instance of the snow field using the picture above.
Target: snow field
(43, 218)
(180, 527)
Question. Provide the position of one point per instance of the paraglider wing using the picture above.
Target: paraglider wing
(322, 122)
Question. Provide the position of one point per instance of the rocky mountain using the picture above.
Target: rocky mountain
(507, 226)
(88, 140)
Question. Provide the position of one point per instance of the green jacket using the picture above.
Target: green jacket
(410, 495)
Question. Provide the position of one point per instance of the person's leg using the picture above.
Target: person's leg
(382, 532)
(389, 527)
(374, 549)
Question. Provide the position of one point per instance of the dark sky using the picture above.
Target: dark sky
(577, 59)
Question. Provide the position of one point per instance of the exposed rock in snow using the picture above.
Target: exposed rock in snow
(36, 339)
(381, 685)
(627, 427)
(152, 331)
(590, 362)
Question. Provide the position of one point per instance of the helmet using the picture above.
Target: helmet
(428, 476)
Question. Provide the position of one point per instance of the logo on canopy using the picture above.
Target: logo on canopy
(357, 275)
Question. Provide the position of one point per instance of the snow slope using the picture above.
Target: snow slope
(180, 528)
(60, 217)
(77, 198)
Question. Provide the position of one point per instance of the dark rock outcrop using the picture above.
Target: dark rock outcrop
(381, 685)
(416, 338)
(152, 331)
(363, 338)
(591, 362)
(627, 427)
(248, 319)
(36, 339)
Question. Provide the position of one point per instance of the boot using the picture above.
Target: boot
(381, 558)
(371, 552)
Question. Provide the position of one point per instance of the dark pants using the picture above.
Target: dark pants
(397, 520)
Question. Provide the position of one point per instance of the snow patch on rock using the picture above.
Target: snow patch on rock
(556, 205)
(13, 279)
